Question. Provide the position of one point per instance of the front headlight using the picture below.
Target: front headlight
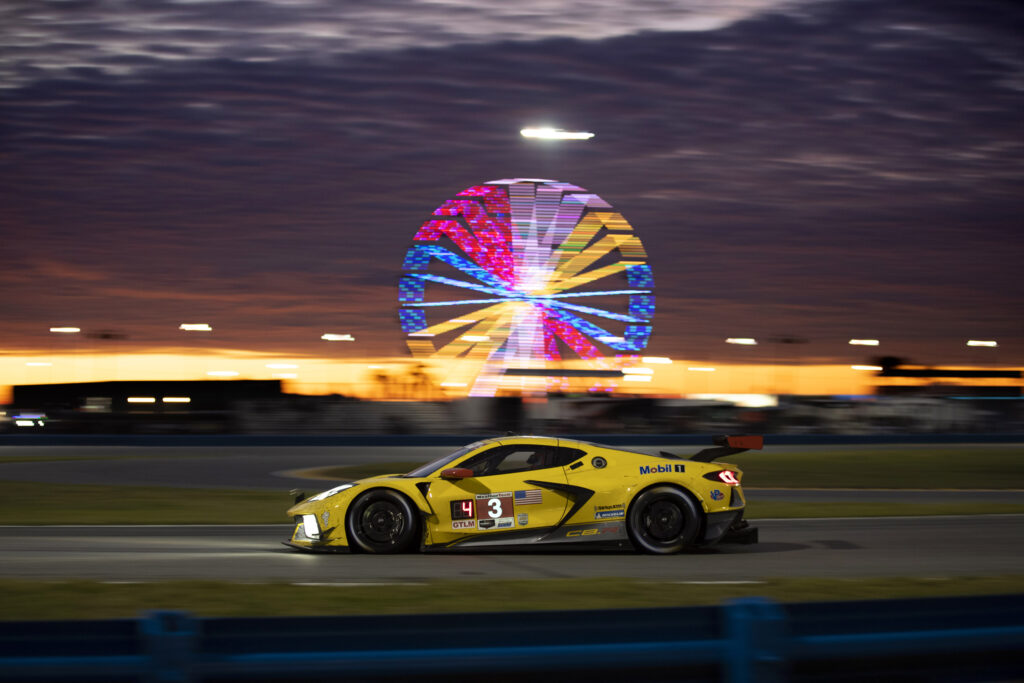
(330, 492)
(310, 528)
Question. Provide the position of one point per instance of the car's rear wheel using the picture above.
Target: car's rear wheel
(663, 520)
(382, 521)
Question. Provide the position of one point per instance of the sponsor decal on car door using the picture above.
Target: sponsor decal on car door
(501, 502)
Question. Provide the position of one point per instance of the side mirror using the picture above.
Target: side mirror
(456, 473)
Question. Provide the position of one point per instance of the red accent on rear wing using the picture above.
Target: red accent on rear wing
(729, 445)
(745, 442)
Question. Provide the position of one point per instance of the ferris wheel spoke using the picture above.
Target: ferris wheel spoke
(489, 243)
(599, 312)
(419, 257)
(634, 339)
(563, 281)
(440, 279)
(612, 292)
(487, 336)
(476, 317)
(578, 262)
(461, 302)
(553, 327)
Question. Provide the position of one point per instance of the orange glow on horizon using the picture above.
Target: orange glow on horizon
(388, 378)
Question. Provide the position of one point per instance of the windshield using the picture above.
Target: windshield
(424, 470)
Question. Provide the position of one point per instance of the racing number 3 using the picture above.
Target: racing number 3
(494, 507)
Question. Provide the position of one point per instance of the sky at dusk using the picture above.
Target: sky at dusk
(816, 169)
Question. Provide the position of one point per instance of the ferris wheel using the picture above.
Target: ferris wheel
(521, 273)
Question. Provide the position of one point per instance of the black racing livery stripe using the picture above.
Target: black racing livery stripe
(579, 495)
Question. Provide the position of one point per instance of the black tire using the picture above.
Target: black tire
(382, 521)
(663, 520)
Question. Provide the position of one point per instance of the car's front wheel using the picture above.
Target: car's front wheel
(382, 521)
(663, 520)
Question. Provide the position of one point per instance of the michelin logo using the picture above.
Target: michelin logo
(617, 510)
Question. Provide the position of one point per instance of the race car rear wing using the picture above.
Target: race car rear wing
(728, 445)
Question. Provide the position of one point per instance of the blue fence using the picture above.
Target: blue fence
(946, 639)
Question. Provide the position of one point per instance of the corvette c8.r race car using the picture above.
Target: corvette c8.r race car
(521, 491)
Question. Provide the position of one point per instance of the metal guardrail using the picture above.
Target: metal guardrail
(748, 640)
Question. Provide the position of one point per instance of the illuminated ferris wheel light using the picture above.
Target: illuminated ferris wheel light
(542, 271)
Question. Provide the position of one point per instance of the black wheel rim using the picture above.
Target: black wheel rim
(382, 522)
(663, 521)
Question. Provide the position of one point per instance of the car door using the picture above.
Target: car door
(506, 493)
(596, 475)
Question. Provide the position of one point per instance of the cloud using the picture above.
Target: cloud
(128, 38)
(269, 162)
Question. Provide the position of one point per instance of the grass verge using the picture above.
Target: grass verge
(933, 467)
(34, 503)
(94, 600)
(784, 510)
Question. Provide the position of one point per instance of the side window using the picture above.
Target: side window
(487, 462)
(567, 456)
(519, 458)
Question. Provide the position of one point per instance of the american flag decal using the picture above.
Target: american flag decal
(528, 497)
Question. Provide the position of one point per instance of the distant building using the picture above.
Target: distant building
(201, 406)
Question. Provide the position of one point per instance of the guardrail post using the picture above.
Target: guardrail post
(756, 632)
(170, 641)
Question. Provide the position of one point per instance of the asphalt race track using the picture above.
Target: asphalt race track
(868, 547)
(833, 548)
(193, 467)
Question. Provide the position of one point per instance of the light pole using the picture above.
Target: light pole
(115, 337)
(68, 331)
(785, 340)
(195, 327)
(739, 341)
(340, 337)
(552, 141)
(984, 344)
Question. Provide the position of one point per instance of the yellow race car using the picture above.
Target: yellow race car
(532, 491)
